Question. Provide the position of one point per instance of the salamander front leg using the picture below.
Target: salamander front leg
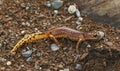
(54, 39)
(77, 45)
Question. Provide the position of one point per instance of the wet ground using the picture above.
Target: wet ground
(18, 18)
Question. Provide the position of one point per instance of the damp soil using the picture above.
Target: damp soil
(16, 20)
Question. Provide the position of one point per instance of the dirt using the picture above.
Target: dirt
(16, 20)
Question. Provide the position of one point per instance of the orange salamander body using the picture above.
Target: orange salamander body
(60, 32)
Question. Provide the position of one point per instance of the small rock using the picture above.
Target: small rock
(78, 22)
(36, 29)
(54, 47)
(27, 23)
(23, 23)
(56, 4)
(9, 30)
(22, 4)
(66, 69)
(36, 65)
(40, 68)
(56, 11)
(29, 59)
(48, 4)
(34, 49)
(22, 65)
(2, 59)
(109, 43)
(72, 9)
(61, 70)
(78, 67)
(9, 63)
(22, 32)
(88, 46)
(38, 54)
(80, 19)
(27, 53)
(27, 6)
(16, 35)
(78, 13)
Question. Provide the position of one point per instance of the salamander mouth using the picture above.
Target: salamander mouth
(102, 34)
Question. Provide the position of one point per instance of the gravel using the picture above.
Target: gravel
(27, 53)
(9, 63)
(72, 9)
(78, 67)
(54, 47)
(56, 4)
(29, 59)
(78, 13)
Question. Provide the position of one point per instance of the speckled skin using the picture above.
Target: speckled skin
(59, 32)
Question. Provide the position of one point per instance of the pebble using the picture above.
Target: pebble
(34, 49)
(109, 43)
(2, 59)
(78, 22)
(36, 29)
(29, 59)
(27, 6)
(27, 23)
(23, 23)
(22, 65)
(56, 4)
(48, 4)
(54, 47)
(78, 13)
(72, 9)
(66, 69)
(56, 11)
(78, 67)
(22, 32)
(27, 53)
(80, 19)
(38, 54)
(9, 63)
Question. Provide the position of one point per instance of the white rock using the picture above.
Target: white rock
(27, 23)
(78, 13)
(72, 9)
(48, 4)
(56, 11)
(78, 22)
(9, 63)
(78, 67)
(54, 47)
(22, 32)
(66, 69)
(80, 19)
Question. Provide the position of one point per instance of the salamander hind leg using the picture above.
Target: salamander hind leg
(54, 39)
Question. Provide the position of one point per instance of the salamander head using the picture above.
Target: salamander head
(94, 35)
